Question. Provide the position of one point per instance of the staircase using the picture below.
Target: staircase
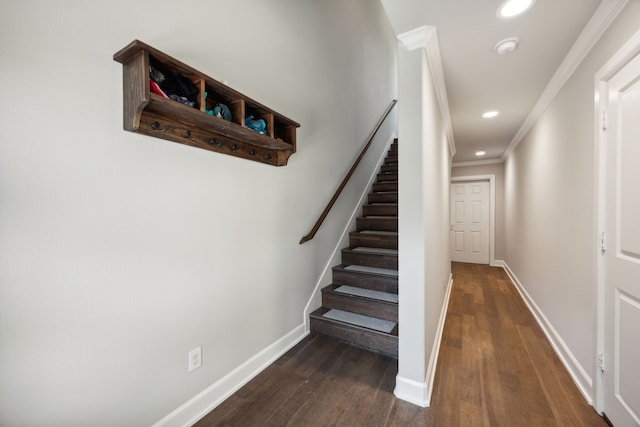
(361, 305)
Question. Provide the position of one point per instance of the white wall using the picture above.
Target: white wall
(423, 223)
(496, 169)
(550, 233)
(119, 253)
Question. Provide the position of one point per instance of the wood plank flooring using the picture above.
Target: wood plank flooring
(495, 368)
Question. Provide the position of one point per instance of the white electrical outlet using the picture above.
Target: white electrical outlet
(195, 359)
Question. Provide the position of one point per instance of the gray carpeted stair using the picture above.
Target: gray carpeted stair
(361, 305)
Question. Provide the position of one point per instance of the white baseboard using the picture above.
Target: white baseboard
(580, 377)
(201, 404)
(412, 391)
(419, 393)
(497, 263)
(435, 351)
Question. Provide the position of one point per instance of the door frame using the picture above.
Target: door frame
(492, 210)
(628, 50)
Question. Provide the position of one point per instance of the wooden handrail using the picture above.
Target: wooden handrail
(333, 200)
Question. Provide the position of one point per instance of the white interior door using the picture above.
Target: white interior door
(470, 222)
(621, 378)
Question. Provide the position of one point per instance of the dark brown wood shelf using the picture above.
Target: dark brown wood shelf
(151, 114)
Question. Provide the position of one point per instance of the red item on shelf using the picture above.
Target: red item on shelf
(156, 89)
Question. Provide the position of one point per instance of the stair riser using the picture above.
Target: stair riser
(389, 168)
(381, 310)
(370, 260)
(365, 280)
(373, 223)
(373, 240)
(384, 186)
(382, 198)
(380, 210)
(382, 216)
(385, 177)
(361, 337)
(390, 161)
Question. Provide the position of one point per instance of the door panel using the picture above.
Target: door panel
(459, 242)
(459, 212)
(628, 349)
(470, 222)
(621, 376)
(476, 212)
(476, 242)
(629, 150)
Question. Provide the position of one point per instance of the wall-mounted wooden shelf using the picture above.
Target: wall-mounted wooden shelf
(151, 114)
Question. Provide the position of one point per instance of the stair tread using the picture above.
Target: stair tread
(373, 270)
(367, 293)
(360, 307)
(369, 216)
(359, 336)
(368, 322)
(381, 232)
(375, 250)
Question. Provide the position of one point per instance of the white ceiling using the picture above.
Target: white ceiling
(477, 79)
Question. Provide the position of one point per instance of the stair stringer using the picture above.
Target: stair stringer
(315, 300)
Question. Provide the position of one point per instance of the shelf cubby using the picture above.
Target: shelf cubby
(148, 113)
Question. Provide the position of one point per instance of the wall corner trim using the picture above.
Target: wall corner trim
(579, 376)
(202, 403)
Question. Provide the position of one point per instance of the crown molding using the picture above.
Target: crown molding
(426, 37)
(417, 38)
(437, 71)
(477, 163)
(597, 25)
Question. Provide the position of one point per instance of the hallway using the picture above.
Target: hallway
(495, 368)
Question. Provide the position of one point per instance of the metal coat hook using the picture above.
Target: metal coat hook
(156, 126)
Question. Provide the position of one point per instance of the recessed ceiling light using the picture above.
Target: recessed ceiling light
(490, 114)
(511, 8)
(507, 45)
(480, 153)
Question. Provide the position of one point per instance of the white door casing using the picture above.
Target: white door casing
(470, 203)
(618, 110)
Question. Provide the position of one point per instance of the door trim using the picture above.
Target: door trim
(492, 211)
(628, 50)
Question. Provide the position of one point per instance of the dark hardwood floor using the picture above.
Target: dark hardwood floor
(495, 368)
